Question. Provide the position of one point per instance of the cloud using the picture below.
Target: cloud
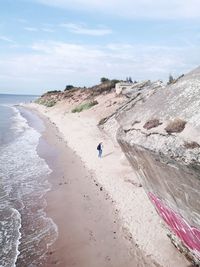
(31, 29)
(150, 9)
(34, 29)
(21, 20)
(80, 29)
(6, 39)
(47, 30)
(52, 65)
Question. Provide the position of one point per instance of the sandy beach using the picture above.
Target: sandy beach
(103, 215)
(90, 230)
(78, 74)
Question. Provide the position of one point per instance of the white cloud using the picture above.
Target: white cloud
(31, 29)
(81, 29)
(154, 9)
(21, 20)
(6, 39)
(47, 30)
(53, 65)
(34, 29)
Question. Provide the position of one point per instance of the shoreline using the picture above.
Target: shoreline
(98, 231)
(138, 218)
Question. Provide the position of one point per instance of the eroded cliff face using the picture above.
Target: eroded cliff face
(160, 136)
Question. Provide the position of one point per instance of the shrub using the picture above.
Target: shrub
(53, 92)
(152, 124)
(84, 106)
(40, 101)
(102, 121)
(103, 80)
(50, 103)
(68, 87)
(171, 79)
(175, 126)
(191, 145)
(113, 82)
(45, 102)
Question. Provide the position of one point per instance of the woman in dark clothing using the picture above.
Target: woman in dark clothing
(100, 149)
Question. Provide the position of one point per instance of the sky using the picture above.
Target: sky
(48, 44)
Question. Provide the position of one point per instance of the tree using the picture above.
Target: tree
(53, 92)
(130, 80)
(68, 87)
(171, 79)
(114, 81)
(103, 80)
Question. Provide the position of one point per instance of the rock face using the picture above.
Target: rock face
(128, 89)
(159, 132)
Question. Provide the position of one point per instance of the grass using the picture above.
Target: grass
(84, 106)
(48, 103)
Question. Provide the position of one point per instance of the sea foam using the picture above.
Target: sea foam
(23, 178)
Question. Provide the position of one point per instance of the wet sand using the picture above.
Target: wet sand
(90, 233)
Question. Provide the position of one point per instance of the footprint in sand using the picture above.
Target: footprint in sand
(92, 236)
(107, 258)
(86, 197)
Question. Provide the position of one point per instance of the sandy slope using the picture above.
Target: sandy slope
(113, 172)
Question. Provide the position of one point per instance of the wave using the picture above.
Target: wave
(24, 182)
(10, 235)
(16, 212)
(19, 123)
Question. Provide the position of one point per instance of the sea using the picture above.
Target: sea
(26, 232)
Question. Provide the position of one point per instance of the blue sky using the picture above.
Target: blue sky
(47, 44)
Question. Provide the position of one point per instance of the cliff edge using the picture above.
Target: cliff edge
(160, 136)
(158, 129)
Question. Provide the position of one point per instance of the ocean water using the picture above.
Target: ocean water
(25, 230)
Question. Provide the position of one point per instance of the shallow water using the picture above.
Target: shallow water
(25, 230)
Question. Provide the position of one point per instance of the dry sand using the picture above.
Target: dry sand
(141, 238)
(90, 231)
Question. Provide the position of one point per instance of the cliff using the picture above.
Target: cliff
(158, 129)
(75, 95)
(159, 132)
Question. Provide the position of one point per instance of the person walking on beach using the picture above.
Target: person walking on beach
(100, 149)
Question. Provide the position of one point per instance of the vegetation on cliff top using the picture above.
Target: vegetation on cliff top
(50, 98)
(84, 106)
(46, 102)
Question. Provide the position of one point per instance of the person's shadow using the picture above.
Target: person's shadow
(106, 155)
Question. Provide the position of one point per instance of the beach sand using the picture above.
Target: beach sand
(104, 217)
(89, 228)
